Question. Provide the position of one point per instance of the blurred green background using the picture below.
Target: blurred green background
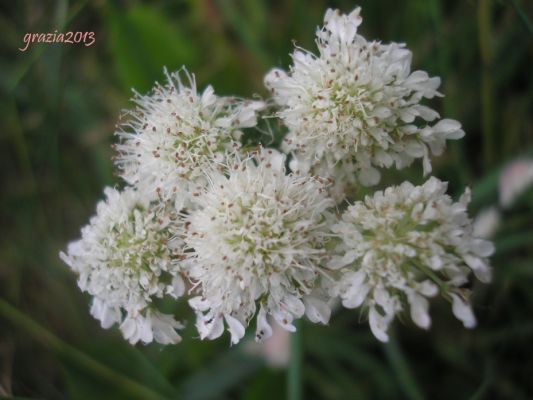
(58, 108)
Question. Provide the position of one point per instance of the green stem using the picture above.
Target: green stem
(487, 120)
(25, 68)
(294, 373)
(50, 340)
(402, 370)
(523, 16)
(444, 288)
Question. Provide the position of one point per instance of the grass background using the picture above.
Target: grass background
(58, 108)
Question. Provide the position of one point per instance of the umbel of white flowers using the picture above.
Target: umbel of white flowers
(125, 259)
(408, 242)
(249, 242)
(356, 107)
(258, 240)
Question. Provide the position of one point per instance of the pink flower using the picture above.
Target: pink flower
(515, 179)
(275, 350)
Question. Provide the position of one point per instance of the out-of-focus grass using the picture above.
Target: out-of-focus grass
(58, 108)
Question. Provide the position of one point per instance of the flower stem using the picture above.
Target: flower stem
(485, 47)
(47, 338)
(294, 372)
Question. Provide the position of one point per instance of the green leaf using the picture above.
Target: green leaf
(222, 374)
(485, 191)
(142, 42)
(513, 242)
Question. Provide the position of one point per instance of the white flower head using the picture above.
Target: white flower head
(404, 245)
(487, 222)
(515, 179)
(258, 238)
(357, 106)
(175, 133)
(124, 259)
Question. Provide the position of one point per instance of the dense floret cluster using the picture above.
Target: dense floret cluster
(261, 236)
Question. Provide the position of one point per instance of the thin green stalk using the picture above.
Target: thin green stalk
(294, 373)
(442, 38)
(523, 16)
(402, 371)
(81, 359)
(25, 68)
(485, 42)
(444, 288)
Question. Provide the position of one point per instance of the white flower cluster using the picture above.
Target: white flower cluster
(259, 240)
(356, 106)
(124, 259)
(175, 133)
(248, 242)
(403, 245)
